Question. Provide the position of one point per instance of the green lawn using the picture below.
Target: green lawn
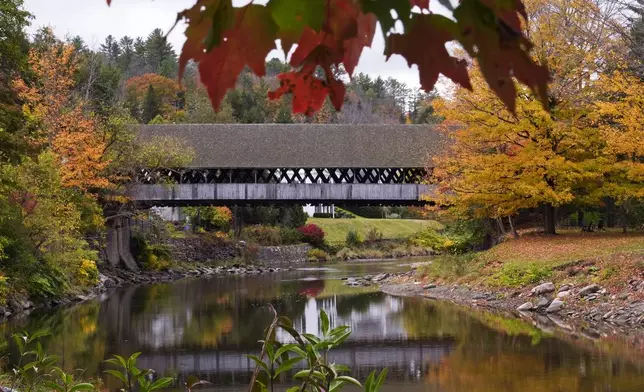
(336, 229)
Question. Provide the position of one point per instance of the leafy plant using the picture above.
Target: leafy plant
(65, 383)
(311, 351)
(318, 255)
(313, 234)
(28, 375)
(131, 376)
(353, 239)
(36, 369)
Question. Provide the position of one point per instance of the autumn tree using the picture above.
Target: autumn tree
(501, 161)
(155, 90)
(620, 116)
(58, 118)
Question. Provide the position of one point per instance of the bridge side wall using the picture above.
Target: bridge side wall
(178, 194)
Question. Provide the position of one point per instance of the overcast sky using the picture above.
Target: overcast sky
(94, 20)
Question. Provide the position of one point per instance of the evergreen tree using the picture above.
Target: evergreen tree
(111, 49)
(126, 45)
(151, 106)
(159, 55)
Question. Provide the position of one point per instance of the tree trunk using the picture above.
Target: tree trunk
(550, 219)
(499, 223)
(610, 212)
(513, 229)
(580, 218)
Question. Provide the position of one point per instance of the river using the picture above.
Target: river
(205, 326)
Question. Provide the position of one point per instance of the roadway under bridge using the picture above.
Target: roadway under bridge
(238, 164)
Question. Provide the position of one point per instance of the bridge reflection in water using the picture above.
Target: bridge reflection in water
(205, 327)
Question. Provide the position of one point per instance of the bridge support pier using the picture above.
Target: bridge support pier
(118, 243)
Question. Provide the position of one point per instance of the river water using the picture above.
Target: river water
(205, 326)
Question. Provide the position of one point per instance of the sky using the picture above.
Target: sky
(94, 20)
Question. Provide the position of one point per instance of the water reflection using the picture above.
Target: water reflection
(204, 327)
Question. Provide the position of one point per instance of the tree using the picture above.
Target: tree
(126, 45)
(58, 120)
(224, 40)
(620, 114)
(166, 93)
(111, 49)
(13, 62)
(151, 106)
(160, 58)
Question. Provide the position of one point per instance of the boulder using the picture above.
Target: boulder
(542, 302)
(591, 288)
(526, 306)
(555, 306)
(564, 287)
(544, 288)
(563, 294)
(429, 286)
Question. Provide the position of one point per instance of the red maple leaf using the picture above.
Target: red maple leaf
(247, 43)
(432, 59)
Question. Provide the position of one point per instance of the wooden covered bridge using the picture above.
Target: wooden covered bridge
(293, 163)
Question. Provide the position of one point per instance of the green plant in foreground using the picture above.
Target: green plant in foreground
(65, 383)
(318, 374)
(131, 375)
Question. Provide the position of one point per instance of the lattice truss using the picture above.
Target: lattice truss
(285, 176)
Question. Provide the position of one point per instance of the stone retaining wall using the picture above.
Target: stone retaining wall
(202, 250)
(286, 254)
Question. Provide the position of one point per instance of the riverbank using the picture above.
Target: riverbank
(590, 285)
(112, 278)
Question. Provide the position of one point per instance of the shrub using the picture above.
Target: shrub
(374, 235)
(87, 273)
(346, 254)
(312, 234)
(372, 254)
(429, 238)
(450, 266)
(262, 235)
(317, 255)
(512, 274)
(353, 239)
(467, 235)
(325, 215)
(291, 236)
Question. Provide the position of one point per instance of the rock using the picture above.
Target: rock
(564, 287)
(429, 286)
(479, 296)
(592, 288)
(15, 305)
(545, 288)
(525, 306)
(563, 294)
(542, 302)
(623, 296)
(555, 306)
(591, 297)
(607, 315)
(380, 278)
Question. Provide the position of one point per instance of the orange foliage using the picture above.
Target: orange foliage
(64, 127)
(166, 89)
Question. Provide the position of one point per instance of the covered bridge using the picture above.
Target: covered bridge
(293, 163)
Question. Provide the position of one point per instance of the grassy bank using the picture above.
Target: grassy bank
(606, 257)
(336, 229)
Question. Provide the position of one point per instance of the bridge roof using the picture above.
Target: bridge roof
(304, 145)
